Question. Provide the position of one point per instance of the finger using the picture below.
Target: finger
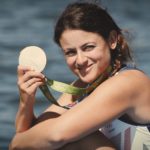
(30, 78)
(32, 89)
(32, 74)
(22, 69)
(32, 81)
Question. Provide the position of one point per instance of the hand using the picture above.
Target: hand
(28, 82)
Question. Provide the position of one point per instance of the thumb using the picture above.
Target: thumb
(22, 70)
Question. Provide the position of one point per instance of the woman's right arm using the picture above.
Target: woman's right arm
(28, 81)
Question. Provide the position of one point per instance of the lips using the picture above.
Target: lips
(84, 70)
(89, 68)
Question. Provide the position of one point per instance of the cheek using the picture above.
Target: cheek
(104, 59)
(107, 59)
(97, 57)
(70, 63)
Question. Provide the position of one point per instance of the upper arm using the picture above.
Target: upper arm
(107, 102)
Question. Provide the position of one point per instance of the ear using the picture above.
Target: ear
(112, 40)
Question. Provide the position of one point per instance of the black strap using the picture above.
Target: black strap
(125, 118)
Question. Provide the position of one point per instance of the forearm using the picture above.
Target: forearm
(21, 141)
(28, 82)
(42, 136)
(25, 117)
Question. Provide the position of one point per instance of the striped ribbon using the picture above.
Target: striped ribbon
(66, 88)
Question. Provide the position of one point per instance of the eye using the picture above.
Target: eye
(89, 47)
(70, 53)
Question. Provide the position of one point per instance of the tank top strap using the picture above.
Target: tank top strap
(129, 67)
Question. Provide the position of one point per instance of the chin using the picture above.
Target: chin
(88, 79)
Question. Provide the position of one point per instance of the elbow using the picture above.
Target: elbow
(14, 145)
(56, 141)
(59, 138)
(65, 136)
(11, 147)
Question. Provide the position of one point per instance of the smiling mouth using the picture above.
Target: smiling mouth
(85, 70)
(89, 68)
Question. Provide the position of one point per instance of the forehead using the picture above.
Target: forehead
(78, 37)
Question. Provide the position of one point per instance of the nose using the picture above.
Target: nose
(81, 59)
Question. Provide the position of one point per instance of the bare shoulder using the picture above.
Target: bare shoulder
(129, 79)
(134, 75)
(126, 86)
(133, 80)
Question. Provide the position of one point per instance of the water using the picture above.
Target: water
(26, 22)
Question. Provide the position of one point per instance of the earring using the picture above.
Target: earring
(118, 49)
(117, 56)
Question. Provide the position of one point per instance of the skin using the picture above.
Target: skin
(88, 55)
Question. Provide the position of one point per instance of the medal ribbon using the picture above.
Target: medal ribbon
(70, 89)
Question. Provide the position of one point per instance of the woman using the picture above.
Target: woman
(92, 42)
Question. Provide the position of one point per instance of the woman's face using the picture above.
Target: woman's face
(87, 54)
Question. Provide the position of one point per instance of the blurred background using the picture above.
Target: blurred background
(31, 22)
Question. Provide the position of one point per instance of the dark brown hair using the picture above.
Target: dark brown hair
(91, 17)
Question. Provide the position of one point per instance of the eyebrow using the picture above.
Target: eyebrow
(84, 45)
(69, 49)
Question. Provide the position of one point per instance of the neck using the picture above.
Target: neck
(105, 75)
